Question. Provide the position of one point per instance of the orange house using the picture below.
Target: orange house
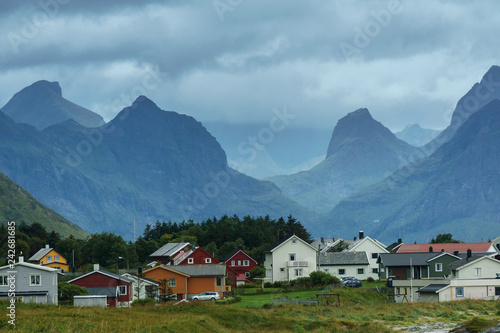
(189, 280)
(49, 257)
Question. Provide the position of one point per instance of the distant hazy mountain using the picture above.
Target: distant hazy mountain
(487, 90)
(260, 152)
(361, 152)
(19, 206)
(416, 135)
(455, 190)
(146, 164)
(42, 105)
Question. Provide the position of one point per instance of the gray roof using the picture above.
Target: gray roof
(201, 270)
(168, 249)
(343, 258)
(326, 243)
(107, 291)
(40, 254)
(432, 288)
(403, 259)
(459, 263)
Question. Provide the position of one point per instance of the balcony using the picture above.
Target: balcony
(298, 264)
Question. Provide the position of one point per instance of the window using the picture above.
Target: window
(374, 255)
(439, 267)
(375, 270)
(190, 260)
(172, 282)
(35, 280)
(477, 271)
(56, 258)
(326, 270)
(49, 258)
(497, 291)
(208, 260)
(122, 290)
(292, 256)
(294, 241)
(361, 271)
(4, 281)
(232, 262)
(218, 282)
(282, 269)
(239, 262)
(246, 263)
(459, 292)
(247, 274)
(341, 271)
(298, 272)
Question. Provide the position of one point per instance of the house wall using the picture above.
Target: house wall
(411, 286)
(159, 273)
(239, 260)
(199, 257)
(87, 300)
(370, 247)
(48, 281)
(97, 279)
(282, 268)
(197, 285)
(445, 261)
(350, 270)
(139, 288)
(489, 268)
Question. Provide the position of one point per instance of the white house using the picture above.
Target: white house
(373, 248)
(143, 287)
(475, 267)
(30, 282)
(288, 259)
(342, 264)
(459, 289)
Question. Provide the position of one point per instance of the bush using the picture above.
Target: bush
(229, 300)
(370, 279)
(319, 278)
(67, 290)
(143, 301)
(268, 285)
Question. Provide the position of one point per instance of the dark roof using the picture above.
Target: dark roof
(343, 258)
(200, 270)
(236, 251)
(432, 288)
(459, 263)
(112, 275)
(107, 291)
(403, 259)
(169, 249)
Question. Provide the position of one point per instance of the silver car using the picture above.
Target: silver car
(206, 296)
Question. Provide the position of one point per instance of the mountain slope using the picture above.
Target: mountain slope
(455, 190)
(42, 105)
(482, 93)
(361, 152)
(18, 205)
(146, 164)
(415, 135)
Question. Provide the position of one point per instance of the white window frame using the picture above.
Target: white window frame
(477, 271)
(190, 260)
(172, 282)
(232, 262)
(247, 274)
(120, 288)
(282, 269)
(4, 280)
(246, 262)
(375, 270)
(341, 269)
(39, 280)
(375, 255)
(56, 258)
(49, 258)
(239, 262)
(299, 272)
(439, 267)
(292, 256)
(208, 260)
(294, 241)
(362, 270)
(462, 293)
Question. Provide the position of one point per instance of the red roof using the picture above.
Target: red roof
(447, 247)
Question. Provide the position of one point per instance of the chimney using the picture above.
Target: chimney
(322, 240)
(21, 257)
(47, 246)
(96, 267)
(361, 234)
(355, 238)
(400, 241)
(469, 253)
(456, 253)
(430, 249)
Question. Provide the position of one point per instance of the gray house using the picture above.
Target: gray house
(33, 283)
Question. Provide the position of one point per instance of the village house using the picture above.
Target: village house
(197, 257)
(342, 264)
(484, 247)
(239, 263)
(49, 257)
(185, 281)
(169, 253)
(116, 288)
(288, 259)
(143, 287)
(373, 249)
(33, 283)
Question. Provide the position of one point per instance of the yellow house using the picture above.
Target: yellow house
(47, 256)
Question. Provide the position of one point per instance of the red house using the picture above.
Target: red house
(239, 265)
(198, 257)
(118, 289)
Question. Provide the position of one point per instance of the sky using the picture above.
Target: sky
(238, 61)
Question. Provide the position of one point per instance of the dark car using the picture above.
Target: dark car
(352, 282)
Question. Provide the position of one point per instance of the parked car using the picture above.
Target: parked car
(206, 296)
(351, 282)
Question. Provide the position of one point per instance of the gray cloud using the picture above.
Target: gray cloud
(411, 66)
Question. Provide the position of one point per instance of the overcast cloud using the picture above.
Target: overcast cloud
(236, 60)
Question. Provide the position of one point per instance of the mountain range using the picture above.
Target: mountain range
(416, 135)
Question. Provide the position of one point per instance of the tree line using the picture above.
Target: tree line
(218, 236)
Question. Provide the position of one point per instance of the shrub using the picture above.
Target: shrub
(229, 300)
(319, 278)
(268, 285)
(143, 301)
(67, 290)
(370, 279)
